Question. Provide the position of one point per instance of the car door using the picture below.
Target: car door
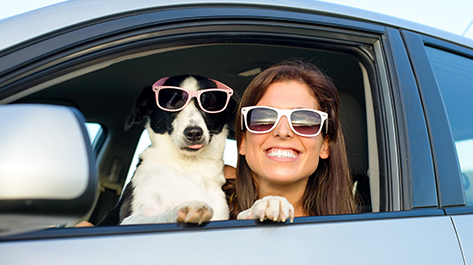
(389, 139)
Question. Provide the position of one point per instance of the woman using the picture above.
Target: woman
(290, 169)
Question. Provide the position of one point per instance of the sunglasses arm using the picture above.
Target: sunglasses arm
(221, 85)
(161, 81)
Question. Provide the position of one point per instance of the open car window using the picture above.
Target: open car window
(347, 66)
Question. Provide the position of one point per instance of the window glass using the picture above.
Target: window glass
(454, 75)
(94, 130)
(229, 156)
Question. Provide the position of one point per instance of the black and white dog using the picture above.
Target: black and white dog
(180, 175)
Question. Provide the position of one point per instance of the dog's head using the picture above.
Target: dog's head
(190, 129)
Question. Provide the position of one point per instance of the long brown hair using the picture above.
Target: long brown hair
(329, 188)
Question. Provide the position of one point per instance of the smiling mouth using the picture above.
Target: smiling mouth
(279, 153)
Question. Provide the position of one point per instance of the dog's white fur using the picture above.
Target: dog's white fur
(171, 181)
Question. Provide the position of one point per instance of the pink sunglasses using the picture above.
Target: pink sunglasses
(171, 98)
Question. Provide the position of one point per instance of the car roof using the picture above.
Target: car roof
(38, 22)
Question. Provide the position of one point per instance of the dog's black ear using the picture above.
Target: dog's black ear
(143, 107)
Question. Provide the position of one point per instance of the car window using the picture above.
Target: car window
(454, 75)
(94, 130)
(357, 116)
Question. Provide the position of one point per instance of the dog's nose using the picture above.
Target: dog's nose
(193, 133)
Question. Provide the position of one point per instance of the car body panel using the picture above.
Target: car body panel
(463, 226)
(398, 241)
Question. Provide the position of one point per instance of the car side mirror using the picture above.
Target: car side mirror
(47, 167)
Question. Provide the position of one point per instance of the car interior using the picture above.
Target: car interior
(105, 90)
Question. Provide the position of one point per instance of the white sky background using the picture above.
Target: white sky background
(455, 16)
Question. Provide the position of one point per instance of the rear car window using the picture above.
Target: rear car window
(454, 75)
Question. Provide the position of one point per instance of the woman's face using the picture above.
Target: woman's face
(281, 157)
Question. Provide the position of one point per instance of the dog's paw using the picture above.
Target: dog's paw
(194, 212)
(275, 208)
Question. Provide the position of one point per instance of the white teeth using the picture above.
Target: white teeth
(282, 154)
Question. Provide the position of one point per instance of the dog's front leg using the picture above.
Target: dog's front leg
(194, 212)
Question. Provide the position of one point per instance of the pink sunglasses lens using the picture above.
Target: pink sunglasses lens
(172, 99)
(213, 100)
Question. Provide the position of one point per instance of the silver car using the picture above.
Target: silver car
(406, 93)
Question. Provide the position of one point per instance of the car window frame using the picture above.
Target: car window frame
(414, 144)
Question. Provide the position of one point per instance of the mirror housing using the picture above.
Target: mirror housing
(47, 167)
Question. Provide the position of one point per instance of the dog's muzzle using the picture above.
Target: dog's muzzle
(194, 138)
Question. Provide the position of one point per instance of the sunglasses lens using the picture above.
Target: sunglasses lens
(213, 100)
(306, 122)
(261, 119)
(170, 98)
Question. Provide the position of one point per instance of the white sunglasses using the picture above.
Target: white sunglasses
(303, 122)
